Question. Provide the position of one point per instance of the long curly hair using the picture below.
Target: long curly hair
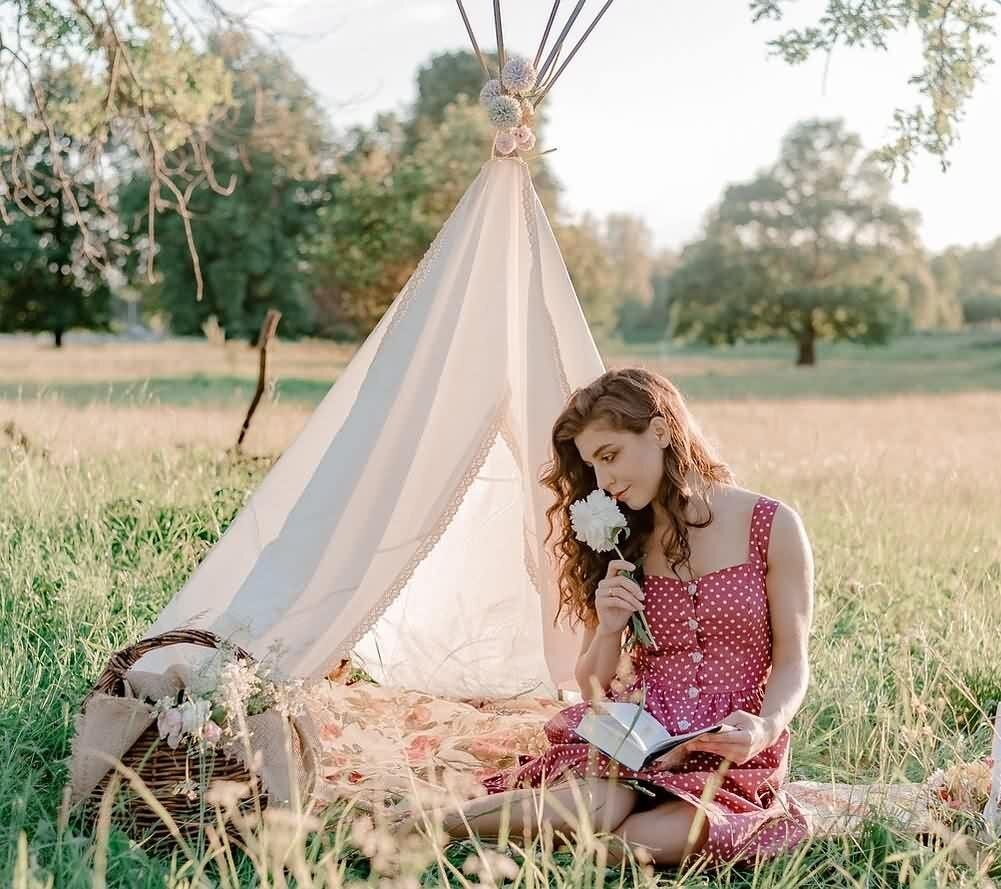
(627, 400)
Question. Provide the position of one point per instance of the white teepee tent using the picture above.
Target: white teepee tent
(406, 523)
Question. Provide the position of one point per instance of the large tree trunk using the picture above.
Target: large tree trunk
(58, 337)
(807, 348)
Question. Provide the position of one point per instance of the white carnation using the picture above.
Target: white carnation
(519, 74)
(491, 90)
(597, 521)
(504, 112)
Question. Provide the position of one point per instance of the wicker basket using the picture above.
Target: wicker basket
(162, 768)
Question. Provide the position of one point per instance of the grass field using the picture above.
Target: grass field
(890, 456)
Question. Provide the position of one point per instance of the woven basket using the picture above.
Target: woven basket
(162, 768)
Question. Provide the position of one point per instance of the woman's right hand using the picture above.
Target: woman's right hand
(616, 598)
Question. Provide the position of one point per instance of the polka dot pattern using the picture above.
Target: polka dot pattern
(714, 657)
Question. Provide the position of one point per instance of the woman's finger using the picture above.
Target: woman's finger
(626, 600)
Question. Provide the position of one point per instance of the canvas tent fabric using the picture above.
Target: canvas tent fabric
(405, 523)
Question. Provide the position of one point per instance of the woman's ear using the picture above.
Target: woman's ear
(661, 431)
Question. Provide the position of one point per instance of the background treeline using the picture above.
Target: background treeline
(327, 226)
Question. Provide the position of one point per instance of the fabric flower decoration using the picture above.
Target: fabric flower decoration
(491, 90)
(518, 75)
(505, 142)
(524, 137)
(504, 112)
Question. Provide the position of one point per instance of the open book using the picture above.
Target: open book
(631, 735)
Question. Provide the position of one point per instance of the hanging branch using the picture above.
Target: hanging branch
(472, 37)
(573, 52)
(563, 36)
(545, 34)
(500, 34)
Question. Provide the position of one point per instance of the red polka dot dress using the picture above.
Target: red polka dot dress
(713, 657)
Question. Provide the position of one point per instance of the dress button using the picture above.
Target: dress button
(696, 656)
(693, 623)
(683, 724)
(692, 588)
(693, 692)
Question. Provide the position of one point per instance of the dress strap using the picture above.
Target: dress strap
(761, 528)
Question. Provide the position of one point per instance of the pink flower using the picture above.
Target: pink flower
(524, 137)
(212, 733)
(420, 746)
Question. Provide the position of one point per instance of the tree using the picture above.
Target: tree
(800, 250)
(973, 276)
(46, 282)
(396, 184)
(956, 40)
(583, 248)
(250, 244)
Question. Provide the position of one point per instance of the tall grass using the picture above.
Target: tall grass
(900, 496)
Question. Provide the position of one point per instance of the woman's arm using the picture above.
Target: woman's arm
(599, 658)
(790, 605)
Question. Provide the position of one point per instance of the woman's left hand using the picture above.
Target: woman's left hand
(743, 737)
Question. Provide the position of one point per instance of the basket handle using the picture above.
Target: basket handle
(111, 681)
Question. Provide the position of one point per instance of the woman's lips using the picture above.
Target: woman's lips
(623, 494)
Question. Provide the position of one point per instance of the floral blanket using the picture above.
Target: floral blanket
(383, 747)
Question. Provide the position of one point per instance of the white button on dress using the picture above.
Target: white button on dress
(692, 588)
(693, 623)
(696, 656)
(693, 692)
(683, 724)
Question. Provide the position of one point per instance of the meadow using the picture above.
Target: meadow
(116, 477)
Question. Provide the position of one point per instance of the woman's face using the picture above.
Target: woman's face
(627, 465)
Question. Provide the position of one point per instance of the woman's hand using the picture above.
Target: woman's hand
(672, 759)
(616, 598)
(747, 736)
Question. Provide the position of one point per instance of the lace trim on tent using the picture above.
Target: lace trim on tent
(532, 223)
(428, 544)
(406, 295)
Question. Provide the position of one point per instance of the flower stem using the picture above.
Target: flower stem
(641, 613)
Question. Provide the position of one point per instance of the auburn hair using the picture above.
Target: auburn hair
(626, 400)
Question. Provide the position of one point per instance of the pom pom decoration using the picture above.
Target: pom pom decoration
(491, 90)
(505, 142)
(519, 75)
(504, 112)
(524, 137)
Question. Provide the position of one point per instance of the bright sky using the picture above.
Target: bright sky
(665, 104)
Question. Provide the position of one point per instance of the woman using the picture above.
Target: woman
(727, 589)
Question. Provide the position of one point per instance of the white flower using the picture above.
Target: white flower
(194, 715)
(169, 726)
(491, 90)
(504, 112)
(597, 521)
(519, 75)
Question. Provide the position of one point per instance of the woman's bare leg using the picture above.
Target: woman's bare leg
(607, 803)
(663, 833)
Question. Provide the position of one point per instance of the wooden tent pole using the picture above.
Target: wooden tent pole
(545, 34)
(573, 52)
(472, 38)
